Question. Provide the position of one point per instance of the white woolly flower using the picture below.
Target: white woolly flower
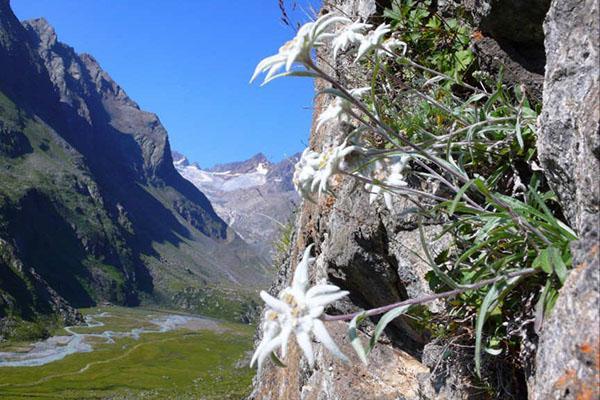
(335, 110)
(372, 40)
(305, 172)
(313, 170)
(338, 109)
(297, 310)
(386, 179)
(297, 50)
(389, 47)
(351, 34)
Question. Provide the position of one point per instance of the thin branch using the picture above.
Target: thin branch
(397, 189)
(429, 298)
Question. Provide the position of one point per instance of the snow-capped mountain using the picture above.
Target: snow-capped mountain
(253, 196)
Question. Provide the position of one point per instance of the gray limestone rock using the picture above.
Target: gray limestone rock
(567, 363)
(510, 38)
(569, 135)
(568, 355)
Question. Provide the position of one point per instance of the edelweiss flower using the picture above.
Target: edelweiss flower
(335, 110)
(389, 46)
(306, 171)
(390, 176)
(297, 310)
(338, 109)
(297, 50)
(313, 171)
(372, 40)
(351, 34)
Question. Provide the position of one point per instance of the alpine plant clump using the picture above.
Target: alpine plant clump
(452, 148)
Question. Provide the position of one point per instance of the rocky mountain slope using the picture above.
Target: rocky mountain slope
(255, 197)
(91, 207)
(364, 249)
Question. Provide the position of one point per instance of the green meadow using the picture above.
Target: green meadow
(200, 363)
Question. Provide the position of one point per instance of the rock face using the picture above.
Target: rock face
(569, 143)
(364, 249)
(568, 359)
(89, 197)
(254, 197)
(511, 39)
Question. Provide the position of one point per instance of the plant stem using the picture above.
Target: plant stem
(396, 188)
(428, 298)
(388, 132)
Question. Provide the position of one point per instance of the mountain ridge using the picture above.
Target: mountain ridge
(256, 197)
(119, 223)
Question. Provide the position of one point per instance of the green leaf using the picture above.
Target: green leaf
(484, 232)
(490, 301)
(542, 261)
(490, 102)
(545, 303)
(475, 98)
(458, 196)
(493, 352)
(443, 276)
(519, 135)
(384, 321)
(560, 269)
(354, 339)
(480, 184)
(550, 261)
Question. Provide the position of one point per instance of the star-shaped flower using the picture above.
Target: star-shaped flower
(297, 310)
(313, 170)
(389, 46)
(297, 50)
(338, 109)
(386, 178)
(351, 34)
(306, 171)
(372, 40)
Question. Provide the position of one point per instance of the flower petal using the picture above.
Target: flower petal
(321, 289)
(274, 69)
(267, 338)
(387, 197)
(322, 25)
(315, 312)
(267, 349)
(325, 299)
(293, 57)
(276, 304)
(286, 331)
(364, 47)
(300, 280)
(264, 64)
(304, 342)
(323, 336)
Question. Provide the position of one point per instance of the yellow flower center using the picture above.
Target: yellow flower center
(271, 315)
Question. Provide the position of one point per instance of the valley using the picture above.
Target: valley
(134, 353)
(92, 209)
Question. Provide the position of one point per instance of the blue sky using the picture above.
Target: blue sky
(189, 61)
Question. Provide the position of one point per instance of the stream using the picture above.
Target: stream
(58, 347)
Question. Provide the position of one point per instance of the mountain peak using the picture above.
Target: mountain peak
(254, 163)
(46, 34)
(179, 159)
